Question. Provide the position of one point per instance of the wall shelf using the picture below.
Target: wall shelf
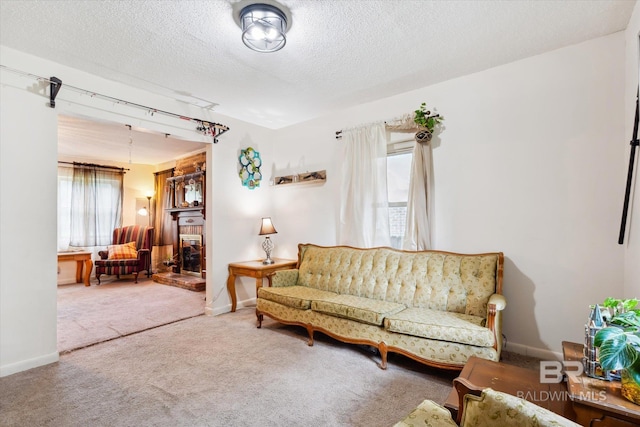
(316, 177)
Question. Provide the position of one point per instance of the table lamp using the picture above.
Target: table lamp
(265, 229)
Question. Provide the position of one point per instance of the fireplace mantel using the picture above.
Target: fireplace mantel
(176, 212)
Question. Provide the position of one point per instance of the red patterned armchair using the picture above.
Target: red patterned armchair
(130, 252)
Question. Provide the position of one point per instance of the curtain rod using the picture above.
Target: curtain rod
(166, 170)
(92, 165)
(206, 127)
(339, 132)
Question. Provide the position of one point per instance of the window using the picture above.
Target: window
(89, 206)
(399, 156)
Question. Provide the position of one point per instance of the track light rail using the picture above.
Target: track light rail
(55, 84)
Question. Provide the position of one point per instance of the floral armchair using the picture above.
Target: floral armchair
(129, 253)
(484, 408)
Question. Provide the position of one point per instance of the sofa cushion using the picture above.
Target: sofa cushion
(441, 325)
(494, 408)
(428, 414)
(364, 310)
(293, 296)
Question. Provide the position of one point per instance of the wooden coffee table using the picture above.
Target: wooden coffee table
(520, 382)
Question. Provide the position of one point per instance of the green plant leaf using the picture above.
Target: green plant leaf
(629, 318)
(616, 352)
(629, 304)
(634, 370)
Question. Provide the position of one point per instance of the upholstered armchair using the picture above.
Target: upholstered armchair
(484, 408)
(129, 253)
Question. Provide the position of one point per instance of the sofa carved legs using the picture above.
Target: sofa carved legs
(382, 348)
(260, 319)
(310, 332)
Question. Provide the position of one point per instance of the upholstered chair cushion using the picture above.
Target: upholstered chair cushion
(125, 251)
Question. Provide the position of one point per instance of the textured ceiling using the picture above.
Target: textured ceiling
(339, 53)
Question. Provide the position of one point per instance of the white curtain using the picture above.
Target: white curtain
(96, 205)
(364, 211)
(417, 234)
(420, 203)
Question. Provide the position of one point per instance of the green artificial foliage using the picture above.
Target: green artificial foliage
(619, 343)
(424, 119)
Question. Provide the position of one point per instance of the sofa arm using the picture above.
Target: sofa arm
(103, 254)
(496, 304)
(283, 278)
(499, 301)
(143, 253)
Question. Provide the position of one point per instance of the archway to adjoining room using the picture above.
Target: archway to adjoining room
(119, 306)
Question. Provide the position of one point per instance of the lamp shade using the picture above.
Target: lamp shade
(263, 27)
(267, 227)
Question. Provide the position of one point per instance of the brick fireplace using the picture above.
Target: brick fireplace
(187, 210)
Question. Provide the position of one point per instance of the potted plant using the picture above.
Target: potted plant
(426, 122)
(619, 344)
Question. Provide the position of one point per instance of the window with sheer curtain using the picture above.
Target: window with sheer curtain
(89, 206)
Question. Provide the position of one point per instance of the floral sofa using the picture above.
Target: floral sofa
(438, 308)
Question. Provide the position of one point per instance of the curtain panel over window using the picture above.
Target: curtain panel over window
(96, 205)
(364, 215)
(420, 202)
(164, 200)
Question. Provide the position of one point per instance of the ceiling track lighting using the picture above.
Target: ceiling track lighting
(263, 27)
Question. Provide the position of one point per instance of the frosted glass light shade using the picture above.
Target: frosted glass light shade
(263, 27)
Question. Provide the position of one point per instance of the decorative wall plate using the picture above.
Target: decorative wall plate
(250, 163)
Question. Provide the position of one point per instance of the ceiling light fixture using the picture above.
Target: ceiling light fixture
(263, 27)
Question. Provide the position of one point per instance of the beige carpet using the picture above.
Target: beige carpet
(88, 315)
(220, 371)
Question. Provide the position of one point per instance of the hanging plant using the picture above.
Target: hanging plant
(426, 123)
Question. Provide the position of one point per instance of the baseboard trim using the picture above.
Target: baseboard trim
(526, 350)
(24, 365)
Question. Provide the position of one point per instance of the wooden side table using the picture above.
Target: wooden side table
(597, 402)
(255, 269)
(83, 263)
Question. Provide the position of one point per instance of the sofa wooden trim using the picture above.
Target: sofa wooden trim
(493, 310)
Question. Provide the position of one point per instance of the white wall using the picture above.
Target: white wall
(529, 164)
(235, 212)
(632, 240)
(27, 226)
